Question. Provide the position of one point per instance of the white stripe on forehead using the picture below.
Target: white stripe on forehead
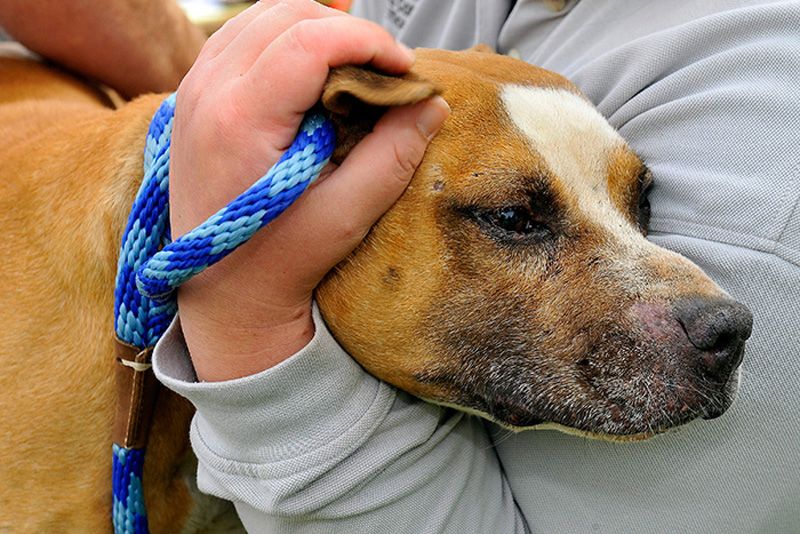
(567, 131)
(575, 142)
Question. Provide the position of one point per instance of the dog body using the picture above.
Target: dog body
(512, 279)
(70, 170)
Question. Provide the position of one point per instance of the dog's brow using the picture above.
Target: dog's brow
(492, 184)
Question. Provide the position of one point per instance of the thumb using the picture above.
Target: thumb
(344, 206)
(378, 169)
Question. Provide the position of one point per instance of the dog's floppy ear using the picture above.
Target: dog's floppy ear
(482, 48)
(357, 97)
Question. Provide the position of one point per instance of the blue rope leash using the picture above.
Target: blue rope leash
(150, 267)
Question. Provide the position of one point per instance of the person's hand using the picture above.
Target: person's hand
(237, 110)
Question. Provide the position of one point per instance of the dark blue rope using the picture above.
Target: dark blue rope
(150, 267)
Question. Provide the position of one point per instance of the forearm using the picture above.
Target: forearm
(316, 445)
(133, 46)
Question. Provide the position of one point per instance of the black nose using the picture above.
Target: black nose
(718, 328)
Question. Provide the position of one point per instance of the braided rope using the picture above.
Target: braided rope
(150, 267)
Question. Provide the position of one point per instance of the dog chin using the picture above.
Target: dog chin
(627, 432)
(615, 432)
(564, 429)
(543, 425)
(596, 436)
(622, 433)
(730, 391)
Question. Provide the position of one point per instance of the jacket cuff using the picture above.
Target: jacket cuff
(318, 396)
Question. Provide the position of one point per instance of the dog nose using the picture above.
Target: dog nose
(718, 328)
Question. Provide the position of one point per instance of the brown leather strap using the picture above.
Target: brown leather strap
(137, 389)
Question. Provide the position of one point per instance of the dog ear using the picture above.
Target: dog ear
(482, 48)
(356, 97)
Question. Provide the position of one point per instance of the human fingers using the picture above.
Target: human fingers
(304, 54)
(335, 215)
(224, 35)
(249, 43)
(255, 118)
(382, 164)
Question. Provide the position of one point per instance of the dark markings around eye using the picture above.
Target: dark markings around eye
(528, 217)
(511, 225)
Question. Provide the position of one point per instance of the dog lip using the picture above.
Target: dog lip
(716, 409)
(516, 417)
(713, 413)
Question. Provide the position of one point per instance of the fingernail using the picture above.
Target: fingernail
(433, 114)
(407, 51)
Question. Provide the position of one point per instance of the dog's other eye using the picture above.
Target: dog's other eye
(644, 208)
(642, 211)
(515, 220)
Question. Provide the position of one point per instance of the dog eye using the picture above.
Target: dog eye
(515, 220)
(644, 208)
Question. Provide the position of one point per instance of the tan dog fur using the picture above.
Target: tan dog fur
(70, 168)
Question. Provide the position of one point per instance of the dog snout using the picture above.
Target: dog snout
(717, 328)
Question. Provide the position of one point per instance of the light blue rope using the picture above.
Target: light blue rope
(150, 267)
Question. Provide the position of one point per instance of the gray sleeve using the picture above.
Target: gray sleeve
(316, 445)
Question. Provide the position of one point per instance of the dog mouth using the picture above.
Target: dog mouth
(717, 409)
(609, 426)
(658, 409)
(653, 370)
(612, 408)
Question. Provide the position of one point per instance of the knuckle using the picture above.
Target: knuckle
(285, 7)
(224, 118)
(216, 38)
(301, 7)
(376, 30)
(350, 231)
(406, 159)
(303, 36)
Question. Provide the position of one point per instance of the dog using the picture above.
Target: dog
(512, 280)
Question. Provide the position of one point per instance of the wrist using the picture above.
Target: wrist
(227, 342)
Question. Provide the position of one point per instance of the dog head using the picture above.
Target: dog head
(513, 278)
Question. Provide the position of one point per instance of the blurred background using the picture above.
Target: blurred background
(211, 14)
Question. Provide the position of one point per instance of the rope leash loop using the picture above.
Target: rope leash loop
(151, 267)
(233, 225)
